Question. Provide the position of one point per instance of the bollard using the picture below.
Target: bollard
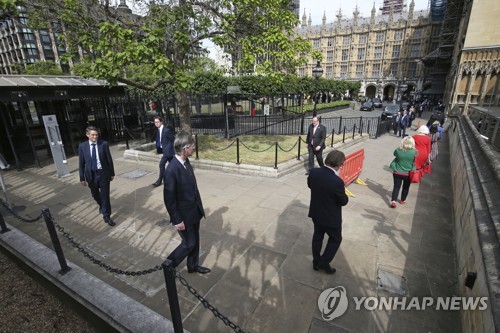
(343, 136)
(353, 131)
(368, 127)
(196, 145)
(3, 226)
(237, 150)
(55, 241)
(173, 299)
(276, 156)
(298, 153)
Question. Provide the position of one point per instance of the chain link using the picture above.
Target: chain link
(207, 305)
(288, 150)
(98, 262)
(232, 143)
(254, 150)
(24, 219)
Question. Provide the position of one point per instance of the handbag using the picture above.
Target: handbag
(415, 176)
(427, 168)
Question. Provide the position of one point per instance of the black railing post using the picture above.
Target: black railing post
(353, 131)
(378, 129)
(360, 123)
(173, 299)
(126, 137)
(340, 124)
(265, 124)
(55, 241)
(302, 124)
(196, 143)
(343, 136)
(368, 127)
(276, 156)
(333, 134)
(3, 226)
(237, 150)
(298, 150)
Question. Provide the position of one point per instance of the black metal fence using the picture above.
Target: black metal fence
(282, 124)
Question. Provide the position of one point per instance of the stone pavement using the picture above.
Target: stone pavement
(257, 241)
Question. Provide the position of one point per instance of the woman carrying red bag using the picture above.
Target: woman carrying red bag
(401, 167)
(423, 146)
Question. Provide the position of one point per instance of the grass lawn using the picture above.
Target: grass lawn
(254, 149)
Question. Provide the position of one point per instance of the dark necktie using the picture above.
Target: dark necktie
(189, 168)
(93, 162)
(158, 139)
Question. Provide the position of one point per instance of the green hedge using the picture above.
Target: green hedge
(310, 107)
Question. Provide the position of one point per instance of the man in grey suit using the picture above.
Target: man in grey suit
(325, 209)
(97, 170)
(183, 202)
(316, 136)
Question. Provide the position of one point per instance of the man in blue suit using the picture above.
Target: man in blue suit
(183, 202)
(97, 170)
(164, 138)
(316, 136)
(327, 198)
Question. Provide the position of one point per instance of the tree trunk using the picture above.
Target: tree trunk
(184, 110)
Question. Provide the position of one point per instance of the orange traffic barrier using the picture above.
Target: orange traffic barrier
(352, 168)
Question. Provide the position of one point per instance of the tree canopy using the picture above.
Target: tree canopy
(168, 36)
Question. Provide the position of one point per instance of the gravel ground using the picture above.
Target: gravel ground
(26, 306)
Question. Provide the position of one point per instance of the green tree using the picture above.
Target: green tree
(43, 68)
(169, 35)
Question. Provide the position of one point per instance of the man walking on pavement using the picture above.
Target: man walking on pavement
(316, 136)
(325, 209)
(97, 171)
(183, 202)
(164, 145)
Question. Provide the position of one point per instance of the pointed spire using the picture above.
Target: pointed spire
(309, 22)
(411, 10)
(339, 18)
(372, 18)
(391, 13)
(355, 19)
(304, 19)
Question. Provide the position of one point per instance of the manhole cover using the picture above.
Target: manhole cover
(134, 174)
(391, 282)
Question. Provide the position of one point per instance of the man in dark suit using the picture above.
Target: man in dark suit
(164, 145)
(316, 136)
(97, 170)
(183, 202)
(327, 198)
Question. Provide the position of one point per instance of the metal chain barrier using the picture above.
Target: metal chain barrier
(288, 150)
(98, 262)
(232, 143)
(207, 305)
(256, 151)
(24, 219)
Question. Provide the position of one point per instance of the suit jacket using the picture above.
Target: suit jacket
(318, 138)
(167, 140)
(327, 197)
(181, 196)
(85, 163)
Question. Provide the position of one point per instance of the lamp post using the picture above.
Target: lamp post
(317, 72)
(402, 86)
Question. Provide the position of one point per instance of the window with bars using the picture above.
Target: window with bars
(359, 71)
(377, 53)
(316, 43)
(346, 40)
(331, 41)
(343, 70)
(375, 70)
(345, 54)
(418, 33)
(329, 71)
(398, 35)
(380, 36)
(396, 49)
(412, 69)
(362, 39)
(361, 53)
(329, 56)
(415, 50)
(394, 68)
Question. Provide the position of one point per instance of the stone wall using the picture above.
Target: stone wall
(475, 174)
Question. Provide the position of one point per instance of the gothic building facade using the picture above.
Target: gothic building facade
(382, 51)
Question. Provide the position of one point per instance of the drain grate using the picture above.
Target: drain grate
(391, 282)
(134, 174)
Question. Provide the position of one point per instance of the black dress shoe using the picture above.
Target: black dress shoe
(199, 269)
(156, 184)
(327, 268)
(315, 267)
(109, 221)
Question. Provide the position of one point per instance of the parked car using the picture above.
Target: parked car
(390, 111)
(377, 102)
(367, 106)
(405, 106)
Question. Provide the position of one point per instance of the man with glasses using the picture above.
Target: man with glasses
(316, 136)
(164, 145)
(183, 202)
(325, 209)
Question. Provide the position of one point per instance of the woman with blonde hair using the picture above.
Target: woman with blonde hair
(423, 146)
(401, 166)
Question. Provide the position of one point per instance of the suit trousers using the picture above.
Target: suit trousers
(332, 246)
(99, 188)
(189, 247)
(312, 154)
(163, 162)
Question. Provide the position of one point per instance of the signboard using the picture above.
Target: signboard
(266, 110)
